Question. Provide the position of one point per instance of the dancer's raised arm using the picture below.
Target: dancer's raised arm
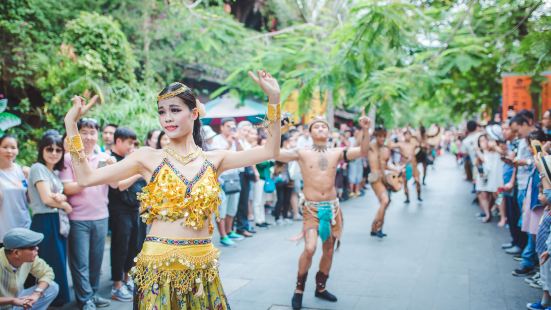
(270, 150)
(86, 175)
(361, 151)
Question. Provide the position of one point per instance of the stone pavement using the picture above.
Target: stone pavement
(437, 256)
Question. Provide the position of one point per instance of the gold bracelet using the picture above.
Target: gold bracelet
(75, 144)
(76, 147)
(274, 112)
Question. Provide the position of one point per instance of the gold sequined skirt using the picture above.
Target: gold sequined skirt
(175, 274)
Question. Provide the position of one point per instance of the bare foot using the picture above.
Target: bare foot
(502, 222)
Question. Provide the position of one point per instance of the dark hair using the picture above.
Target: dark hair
(537, 134)
(158, 144)
(527, 114)
(379, 129)
(49, 139)
(422, 131)
(519, 119)
(292, 131)
(191, 101)
(124, 133)
(285, 137)
(87, 123)
(150, 134)
(111, 125)
(6, 136)
(471, 125)
(226, 119)
(481, 136)
(52, 132)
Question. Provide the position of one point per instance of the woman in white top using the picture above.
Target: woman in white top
(14, 210)
(490, 174)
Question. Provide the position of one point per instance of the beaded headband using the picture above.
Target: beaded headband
(318, 119)
(173, 93)
(183, 88)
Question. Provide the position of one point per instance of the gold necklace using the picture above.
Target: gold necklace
(185, 159)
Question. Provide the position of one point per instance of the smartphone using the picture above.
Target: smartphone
(536, 145)
(102, 163)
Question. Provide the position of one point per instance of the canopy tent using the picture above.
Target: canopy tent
(228, 106)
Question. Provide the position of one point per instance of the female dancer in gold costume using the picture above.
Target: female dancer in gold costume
(177, 267)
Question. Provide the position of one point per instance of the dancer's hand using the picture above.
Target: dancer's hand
(79, 108)
(365, 122)
(268, 84)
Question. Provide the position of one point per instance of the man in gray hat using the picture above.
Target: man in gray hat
(18, 258)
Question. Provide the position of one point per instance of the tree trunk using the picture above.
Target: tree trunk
(372, 115)
(330, 110)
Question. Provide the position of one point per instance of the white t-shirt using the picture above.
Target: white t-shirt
(220, 143)
(470, 144)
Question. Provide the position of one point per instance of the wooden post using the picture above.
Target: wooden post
(330, 109)
(372, 114)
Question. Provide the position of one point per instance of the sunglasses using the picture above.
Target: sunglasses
(89, 120)
(51, 149)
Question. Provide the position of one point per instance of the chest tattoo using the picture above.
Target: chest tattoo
(323, 163)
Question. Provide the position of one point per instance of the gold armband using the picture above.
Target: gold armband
(76, 147)
(274, 112)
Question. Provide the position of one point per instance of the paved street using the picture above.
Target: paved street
(436, 256)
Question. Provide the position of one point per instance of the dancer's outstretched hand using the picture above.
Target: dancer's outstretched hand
(268, 84)
(79, 108)
(365, 122)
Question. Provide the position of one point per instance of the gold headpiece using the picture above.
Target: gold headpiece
(173, 93)
(317, 119)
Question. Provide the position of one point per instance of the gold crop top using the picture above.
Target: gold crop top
(169, 196)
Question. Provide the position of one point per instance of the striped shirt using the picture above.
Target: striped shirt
(12, 279)
(543, 232)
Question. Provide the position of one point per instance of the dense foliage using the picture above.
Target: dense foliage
(422, 60)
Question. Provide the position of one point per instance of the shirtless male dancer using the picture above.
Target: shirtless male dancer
(378, 156)
(321, 213)
(428, 143)
(408, 149)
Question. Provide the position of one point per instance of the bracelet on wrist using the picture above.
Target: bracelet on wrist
(274, 112)
(76, 148)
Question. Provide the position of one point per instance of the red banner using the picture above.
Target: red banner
(516, 93)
